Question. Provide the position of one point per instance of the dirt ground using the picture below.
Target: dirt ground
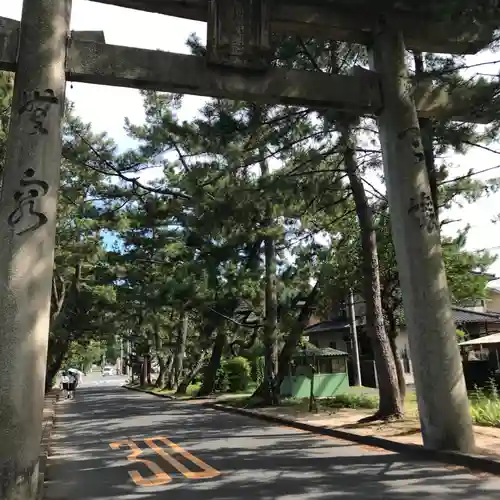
(403, 431)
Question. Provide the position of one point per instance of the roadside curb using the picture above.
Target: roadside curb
(48, 425)
(147, 391)
(469, 461)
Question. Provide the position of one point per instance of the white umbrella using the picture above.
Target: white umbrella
(77, 373)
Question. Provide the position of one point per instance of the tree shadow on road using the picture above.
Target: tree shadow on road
(256, 460)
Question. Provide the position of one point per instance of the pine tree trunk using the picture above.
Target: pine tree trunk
(162, 363)
(268, 390)
(54, 365)
(148, 369)
(292, 340)
(399, 366)
(143, 375)
(270, 330)
(61, 303)
(427, 135)
(169, 370)
(180, 351)
(210, 375)
(188, 379)
(287, 351)
(392, 332)
(160, 379)
(390, 405)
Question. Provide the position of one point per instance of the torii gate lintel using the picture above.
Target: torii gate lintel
(342, 20)
(91, 60)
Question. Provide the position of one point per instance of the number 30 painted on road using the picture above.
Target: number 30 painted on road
(160, 476)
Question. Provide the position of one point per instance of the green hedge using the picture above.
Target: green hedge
(238, 373)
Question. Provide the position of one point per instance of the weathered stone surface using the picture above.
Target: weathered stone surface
(156, 70)
(88, 36)
(343, 21)
(18, 482)
(28, 207)
(238, 34)
(90, 61)
(9, 39)
(415, 230)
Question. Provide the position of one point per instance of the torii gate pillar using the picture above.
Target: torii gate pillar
(27, 227)
(442, 396)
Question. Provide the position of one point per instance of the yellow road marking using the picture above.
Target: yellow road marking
(207, 471)
(160, 477)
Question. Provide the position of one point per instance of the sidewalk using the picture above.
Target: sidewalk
(405, 431)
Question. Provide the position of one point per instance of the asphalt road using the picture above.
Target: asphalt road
(205, 454)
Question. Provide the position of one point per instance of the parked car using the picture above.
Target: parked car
(108, 370)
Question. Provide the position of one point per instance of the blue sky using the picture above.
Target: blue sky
(107, 107)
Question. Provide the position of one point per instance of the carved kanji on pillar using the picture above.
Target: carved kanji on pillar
(238, 33)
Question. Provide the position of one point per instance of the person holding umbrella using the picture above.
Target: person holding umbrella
(75, 378)
(65, 381)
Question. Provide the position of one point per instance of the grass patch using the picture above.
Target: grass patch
(357, 398)
(347, 400)
(485, 405)
(192, 390)
(238, 402)
(350, 400)
(486, 412)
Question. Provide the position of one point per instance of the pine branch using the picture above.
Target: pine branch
(469, 175)
(134, 181)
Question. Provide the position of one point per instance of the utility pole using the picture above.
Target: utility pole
(129, 365)
(442, 397)
(356, 365)
(121, 356)
(28, 208)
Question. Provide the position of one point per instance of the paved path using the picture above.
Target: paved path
(225, 457)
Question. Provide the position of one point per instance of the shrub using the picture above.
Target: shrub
(238, 373)
(348, 400)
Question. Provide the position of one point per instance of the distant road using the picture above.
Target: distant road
(94, 379)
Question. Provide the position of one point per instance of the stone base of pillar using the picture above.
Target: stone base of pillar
(19, 483)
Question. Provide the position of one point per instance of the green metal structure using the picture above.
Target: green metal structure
(326, 368)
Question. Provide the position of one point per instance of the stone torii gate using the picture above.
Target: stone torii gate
(45, 54)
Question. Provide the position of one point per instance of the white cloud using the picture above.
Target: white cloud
(106, 107)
